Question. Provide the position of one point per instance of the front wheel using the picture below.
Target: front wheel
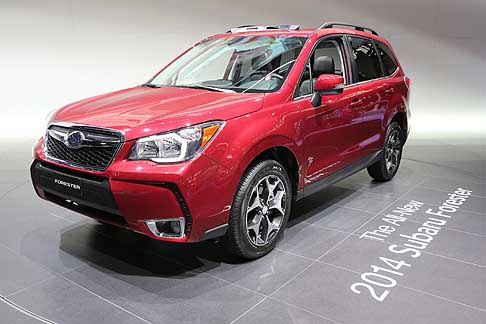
(387, 166)
(260, 210)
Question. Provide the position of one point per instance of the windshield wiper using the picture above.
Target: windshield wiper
(191, 86)
(151, 85)
(202, 87)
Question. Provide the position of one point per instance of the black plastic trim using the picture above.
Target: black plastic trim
(395, 60)
(71, 172)
(96, 213)
(117, 145)
(214, 232)
(95, 201)
(382, 67)
(339, 175)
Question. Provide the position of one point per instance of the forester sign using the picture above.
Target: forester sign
(383, 277)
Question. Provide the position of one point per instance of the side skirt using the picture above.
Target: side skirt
(338, 176)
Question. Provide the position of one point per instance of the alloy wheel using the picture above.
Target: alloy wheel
(266, 210)
(393, 150)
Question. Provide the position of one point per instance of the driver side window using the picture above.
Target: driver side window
(326, 58)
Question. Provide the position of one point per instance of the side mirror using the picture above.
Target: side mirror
(327, 84)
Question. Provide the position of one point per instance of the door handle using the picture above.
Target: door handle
(389, 91)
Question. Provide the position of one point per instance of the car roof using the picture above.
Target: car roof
(307, 32)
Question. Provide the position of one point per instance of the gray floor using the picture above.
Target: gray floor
(66, 268)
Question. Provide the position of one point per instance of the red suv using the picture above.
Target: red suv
(226, 137)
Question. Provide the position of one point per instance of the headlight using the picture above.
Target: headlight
(176, 146)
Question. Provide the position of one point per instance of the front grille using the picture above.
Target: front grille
(96, 150)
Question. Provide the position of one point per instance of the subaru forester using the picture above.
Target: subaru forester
(223, 140)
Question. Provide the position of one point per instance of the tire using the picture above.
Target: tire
(258, 218)
(389, 160)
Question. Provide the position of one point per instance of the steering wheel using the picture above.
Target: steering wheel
(276, 76)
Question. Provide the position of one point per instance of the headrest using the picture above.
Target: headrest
(323, 65)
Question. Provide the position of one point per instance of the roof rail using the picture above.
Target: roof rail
(356, 27)
(245, 28)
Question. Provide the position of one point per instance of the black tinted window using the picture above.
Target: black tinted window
(367, 62)
(387, 58)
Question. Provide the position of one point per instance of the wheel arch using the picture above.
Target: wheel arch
(401, 118)
(278, 148)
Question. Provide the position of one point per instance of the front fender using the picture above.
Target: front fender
(246, 137)
(247, 156)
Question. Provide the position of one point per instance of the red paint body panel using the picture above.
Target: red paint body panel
(332, 133)
(143, 111)
(323, 140)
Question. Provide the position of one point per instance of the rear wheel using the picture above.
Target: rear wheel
(260, 210)
(387, 166)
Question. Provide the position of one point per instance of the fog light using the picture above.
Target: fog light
(169, 227)
(175, 226)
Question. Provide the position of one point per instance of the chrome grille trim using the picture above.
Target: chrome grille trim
(97, 151)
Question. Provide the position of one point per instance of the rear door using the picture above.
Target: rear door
(373, 98)
(396, 90)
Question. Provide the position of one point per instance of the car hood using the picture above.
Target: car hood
(143, 111)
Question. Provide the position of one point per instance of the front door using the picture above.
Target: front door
(330, 141)
(329, 131)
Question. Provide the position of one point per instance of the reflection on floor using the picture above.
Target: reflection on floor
(69, 269)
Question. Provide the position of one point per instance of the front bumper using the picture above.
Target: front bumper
(130, 192)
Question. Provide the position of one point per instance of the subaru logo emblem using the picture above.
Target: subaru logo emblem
(74, 139)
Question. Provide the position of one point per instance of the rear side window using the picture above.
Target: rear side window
(387, 58)
(367, 62)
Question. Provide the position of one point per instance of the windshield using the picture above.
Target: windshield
(234, 64)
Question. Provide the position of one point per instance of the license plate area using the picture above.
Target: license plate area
(67, 185)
